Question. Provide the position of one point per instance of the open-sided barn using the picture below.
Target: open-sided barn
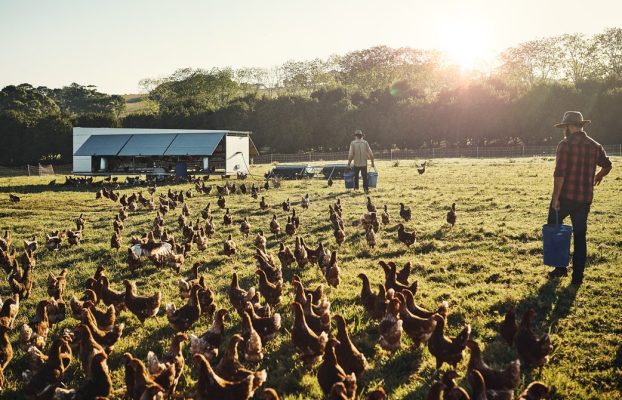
(160, 151)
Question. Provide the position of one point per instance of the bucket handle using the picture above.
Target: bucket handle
(556, 217)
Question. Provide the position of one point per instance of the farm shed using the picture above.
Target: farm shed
(160, 151)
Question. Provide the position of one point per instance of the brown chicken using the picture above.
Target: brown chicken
(74, 237)
(332, 271)
(386, 218)
(436, 391)
(508, 327)
(43, 380)
(452, 391)
(269, 290)
(88, 346)
(286, 257)
(260, 241)
(533, 351)
(230, 368)
(348, 356)
(253, 348)
(27, 259)
(419, 330)
(286, 205)
(318, 322)
(408, 238)
(229, 246)
(183, 318)
(270, 394)
(267, 326)
(8, 311)
(6, 352)
(320, 305)
(238, 296)
(57, 284)
(405, 212)
(478, 385)
(35, 333)
(222, 203)
(263, 205)
(391, 327)
(290, 228)
(211, 386)
(368, 298)
(174, 356)
(142, 307)
(105, 319)
(111, 297)
(536, 391)
(144, 385)
(106, 339)
(245, 227)
(391, 277)
(443, 308)
(451, 215)
(97, 385)
(21, 282)
(209, 342)
(500, 383)
(275, 227)
(309, 345)
(330, 372)
(300, 253)
(445, 349)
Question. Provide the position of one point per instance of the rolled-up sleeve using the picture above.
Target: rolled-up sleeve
(561, 160)
(603, 161)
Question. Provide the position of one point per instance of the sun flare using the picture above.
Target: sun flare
(464, 43)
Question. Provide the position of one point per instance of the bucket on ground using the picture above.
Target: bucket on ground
(556, 244)
(348, 178)
(372, 178)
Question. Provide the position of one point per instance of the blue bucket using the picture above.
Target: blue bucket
(181, 169)
(372, 178)
(556, 244)
(348, 178)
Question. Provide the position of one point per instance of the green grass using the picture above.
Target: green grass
(490, 259)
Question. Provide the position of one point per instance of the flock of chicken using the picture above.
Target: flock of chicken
(341, 364)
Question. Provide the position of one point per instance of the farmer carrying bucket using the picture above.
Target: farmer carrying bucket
(358, 154)
(573, 190)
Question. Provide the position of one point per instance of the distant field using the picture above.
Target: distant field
(490, 259)
(134, 103)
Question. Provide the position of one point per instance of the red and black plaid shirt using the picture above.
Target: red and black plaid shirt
(577, 158)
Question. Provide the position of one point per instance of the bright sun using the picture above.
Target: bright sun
(464, 43)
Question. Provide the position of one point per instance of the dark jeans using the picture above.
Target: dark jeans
(363, 171)
(578, 213)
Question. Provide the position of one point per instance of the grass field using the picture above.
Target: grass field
(490, 259)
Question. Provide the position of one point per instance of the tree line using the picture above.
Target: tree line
(402, 98)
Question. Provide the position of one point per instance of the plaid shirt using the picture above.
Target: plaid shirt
(576, 161)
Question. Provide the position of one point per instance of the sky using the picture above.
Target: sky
(113, 44)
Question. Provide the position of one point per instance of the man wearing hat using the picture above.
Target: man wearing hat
(359, 152)
(573, 190)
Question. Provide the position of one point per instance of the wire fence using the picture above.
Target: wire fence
(394, 154)
(35, 170)
(386, 155)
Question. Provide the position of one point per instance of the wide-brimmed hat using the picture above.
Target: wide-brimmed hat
(572, 118)
(358, 132)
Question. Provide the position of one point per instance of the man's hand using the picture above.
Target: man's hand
(348, 166)
(373, 165)
(598, 178)
(555, 204)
